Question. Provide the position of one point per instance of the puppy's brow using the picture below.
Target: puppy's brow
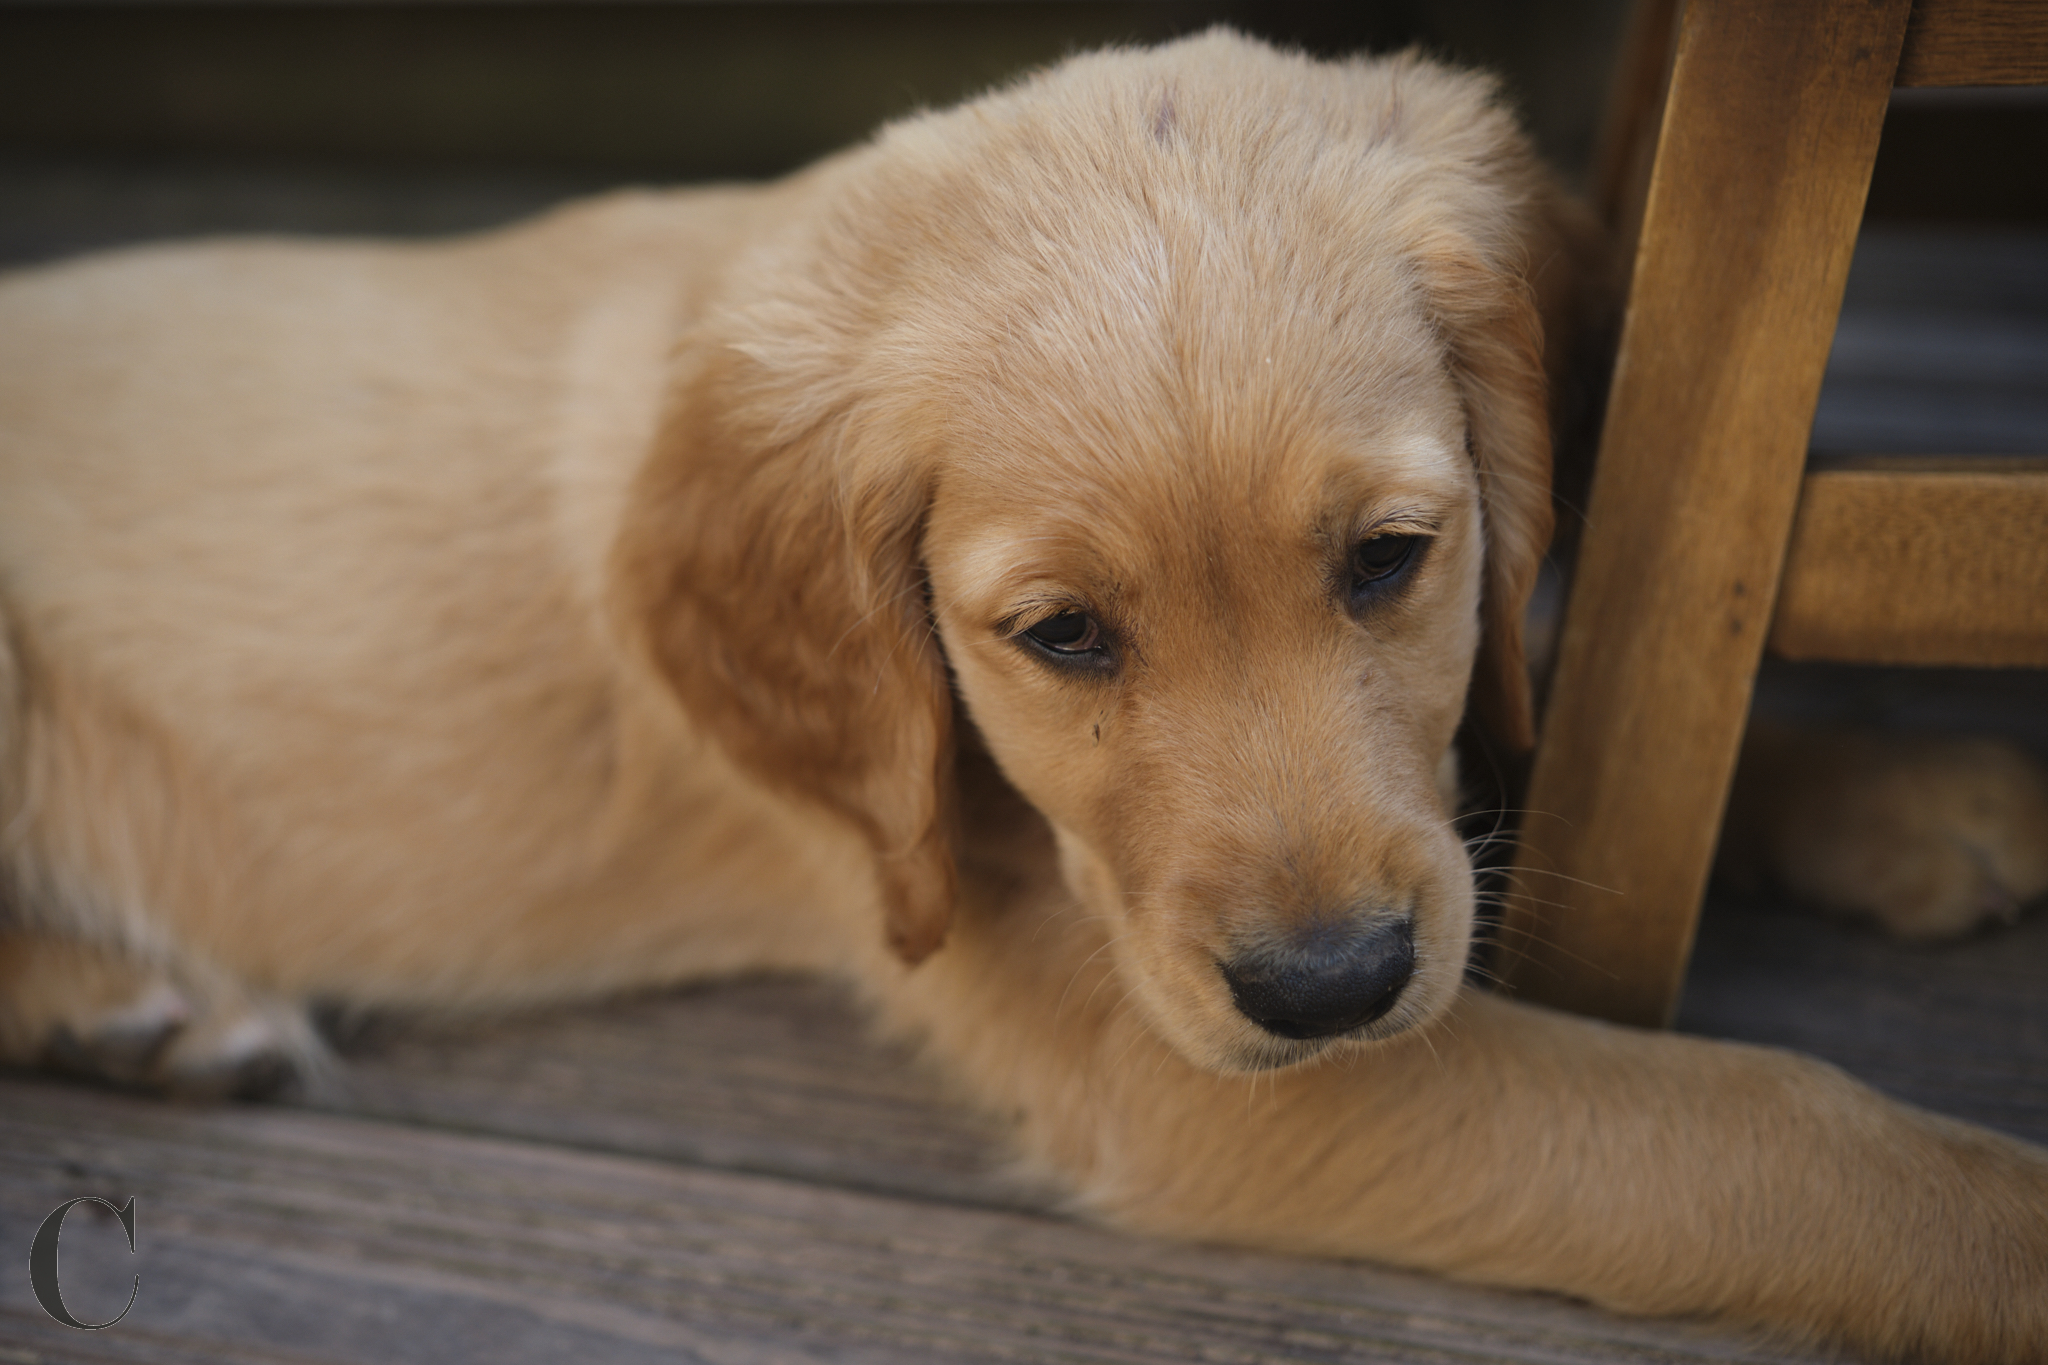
(1028, 612)
(1037, 595)
(1406, 520)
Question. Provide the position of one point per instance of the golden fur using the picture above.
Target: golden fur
(634, 596)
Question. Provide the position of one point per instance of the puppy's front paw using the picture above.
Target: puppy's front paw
(249, 1053)
(88, 1012)
(1930, 836)
(121, 1044)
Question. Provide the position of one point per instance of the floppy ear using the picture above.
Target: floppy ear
(1488, 313)
(773, 576)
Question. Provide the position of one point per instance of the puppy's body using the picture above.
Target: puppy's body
(375, 738)
(583, 606)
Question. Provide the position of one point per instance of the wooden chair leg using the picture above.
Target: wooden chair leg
(1763, 160)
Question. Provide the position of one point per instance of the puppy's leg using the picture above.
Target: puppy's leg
(1930, 836)
(100, 825)
(90, 1011)
(1506, 1144)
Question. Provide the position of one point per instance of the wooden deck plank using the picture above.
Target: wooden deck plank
(780, 1077)
(332, 1217)
(775, 1076)
(325, 1238)
(1961, 1029)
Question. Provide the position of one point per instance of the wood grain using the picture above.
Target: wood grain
(1976, 42)
(780, 1077)
(1961, 1028)
(274, 1237)
(1769, 131)
(1893, 563)
(292, 1236)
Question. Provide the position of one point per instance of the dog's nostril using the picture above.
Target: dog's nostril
(1326, 983)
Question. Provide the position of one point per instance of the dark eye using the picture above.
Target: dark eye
(1379, 560)
(1069, 633)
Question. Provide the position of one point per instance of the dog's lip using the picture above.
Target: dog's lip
(1271, 1053)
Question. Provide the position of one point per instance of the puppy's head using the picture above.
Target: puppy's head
(1189, 407)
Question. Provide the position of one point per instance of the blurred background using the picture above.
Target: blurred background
(119, 120)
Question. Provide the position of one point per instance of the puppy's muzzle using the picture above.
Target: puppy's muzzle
(1325, 979)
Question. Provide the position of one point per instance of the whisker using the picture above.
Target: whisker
(1531, 937)
(1139, 1033)
(1063, 917)
(1107, 976)
(1434, 1055)
(1507, 900)
(1076, 975)
(1564, 877)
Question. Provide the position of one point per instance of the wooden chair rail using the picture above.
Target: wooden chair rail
(1976, 42)
(1919, 562)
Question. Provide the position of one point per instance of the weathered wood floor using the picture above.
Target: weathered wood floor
(738, 1174)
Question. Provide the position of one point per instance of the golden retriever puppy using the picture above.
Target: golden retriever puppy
(1033, 565)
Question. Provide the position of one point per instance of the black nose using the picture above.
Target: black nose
(1328, 979)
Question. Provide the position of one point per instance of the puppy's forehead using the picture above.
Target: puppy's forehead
(1210, 326)
(1205, 335)
(1160, 407)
